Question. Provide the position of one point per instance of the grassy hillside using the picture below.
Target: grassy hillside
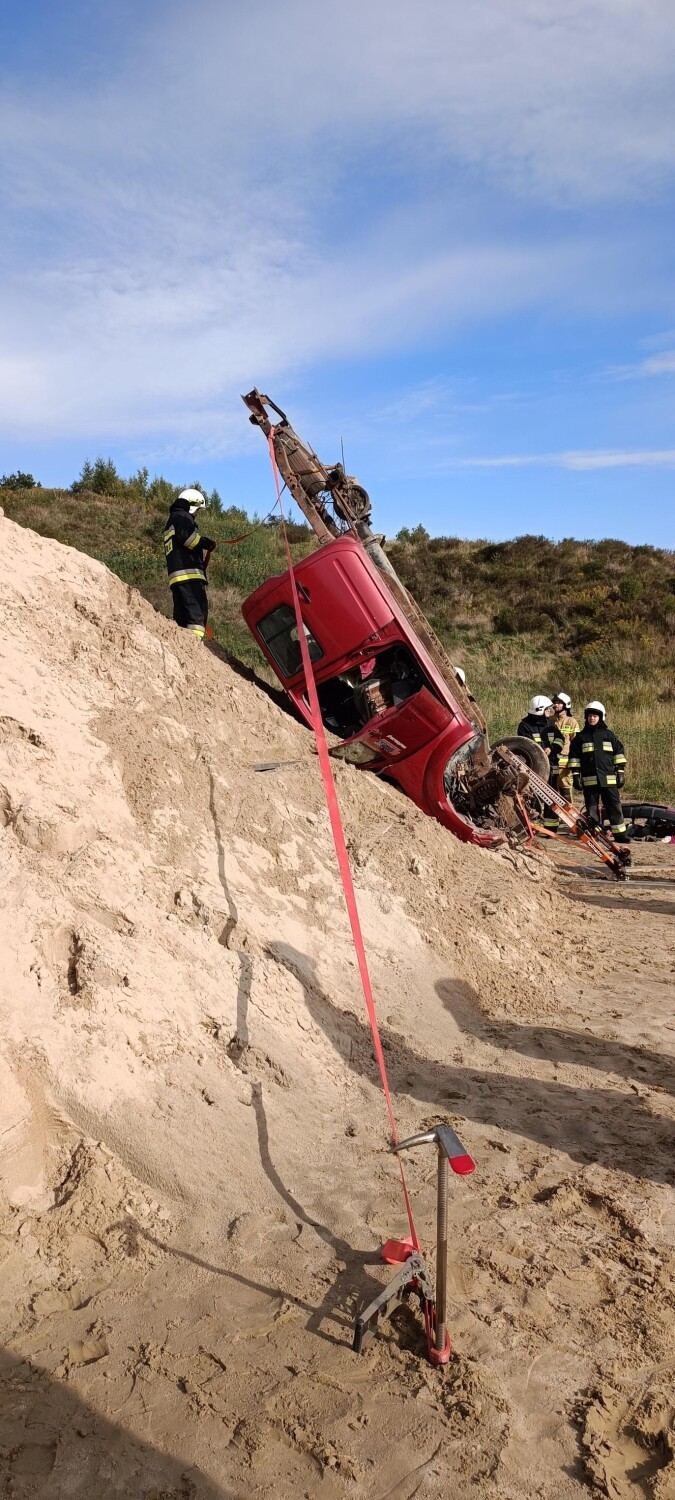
(592, 618)
(126, 534)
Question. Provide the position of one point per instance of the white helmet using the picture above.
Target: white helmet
(459, 672)
(537, 704)
(194, 498)
(595, 708)
(563, 698)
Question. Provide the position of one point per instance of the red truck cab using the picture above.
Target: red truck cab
(378, 689)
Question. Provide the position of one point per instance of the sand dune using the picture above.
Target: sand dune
(195, 1180)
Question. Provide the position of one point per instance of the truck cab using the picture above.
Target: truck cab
(378, 688)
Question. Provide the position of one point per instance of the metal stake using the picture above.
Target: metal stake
(440, 1335)
(450, 1151)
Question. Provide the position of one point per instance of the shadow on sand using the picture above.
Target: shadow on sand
(608, 1126)
(54, 1446)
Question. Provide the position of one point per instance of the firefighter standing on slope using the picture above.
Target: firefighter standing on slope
(539, 725)
(598, 765)
(187, 553)
(568, 726)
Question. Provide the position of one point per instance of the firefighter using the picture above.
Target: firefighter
(568, 726)
(186, 558)
(539, 725)
(598, 766)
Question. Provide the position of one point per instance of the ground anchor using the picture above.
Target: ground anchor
(414, 1278)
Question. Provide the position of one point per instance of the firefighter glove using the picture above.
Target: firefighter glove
(576, 783)
(620, 778)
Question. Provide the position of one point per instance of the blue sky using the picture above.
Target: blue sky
(441, 232)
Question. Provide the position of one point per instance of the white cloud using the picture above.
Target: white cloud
(573, 98)
(660, 364)
(600, 458)
(267, 187)
(156, 344)
(655, 364)
(435, 398)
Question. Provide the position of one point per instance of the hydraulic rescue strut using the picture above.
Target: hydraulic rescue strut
(592, 836)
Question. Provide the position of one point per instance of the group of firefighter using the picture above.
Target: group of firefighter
(591, 757)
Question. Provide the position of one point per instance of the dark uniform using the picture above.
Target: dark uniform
(543, 731)
(185, 547)
(597, 762)
(546, 733)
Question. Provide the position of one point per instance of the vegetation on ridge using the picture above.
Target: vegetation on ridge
(594, 619)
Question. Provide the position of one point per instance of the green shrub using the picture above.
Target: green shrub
(19, 481)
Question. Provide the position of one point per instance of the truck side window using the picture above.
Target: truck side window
(280, 633)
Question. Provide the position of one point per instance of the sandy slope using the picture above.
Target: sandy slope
(192, 1138)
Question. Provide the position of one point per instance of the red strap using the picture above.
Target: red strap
(339, 841)
(232, 541)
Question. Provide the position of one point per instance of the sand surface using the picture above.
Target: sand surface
(194, 1173)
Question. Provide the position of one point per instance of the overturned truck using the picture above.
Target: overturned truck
(386, 685)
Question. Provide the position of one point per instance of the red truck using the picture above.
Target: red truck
(385, 683)
(378, 688)
(387, 688)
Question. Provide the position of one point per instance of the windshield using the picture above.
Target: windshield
(280, 633)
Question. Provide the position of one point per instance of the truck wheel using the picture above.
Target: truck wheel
(532, 754)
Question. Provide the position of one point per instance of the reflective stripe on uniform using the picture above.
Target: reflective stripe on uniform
(610, 780)
(193, 540)
(537, 739)
(588, 746)
(188, 576)
(195, 630)
(619, 760)
(170, 531)
(574, 765)
(589, 780)
(618, 828)
(607, 745)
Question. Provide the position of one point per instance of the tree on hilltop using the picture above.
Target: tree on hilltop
(19, 481)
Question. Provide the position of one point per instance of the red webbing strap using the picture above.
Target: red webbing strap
(339, 841)
(233, 541)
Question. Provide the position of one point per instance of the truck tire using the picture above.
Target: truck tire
(532, 754)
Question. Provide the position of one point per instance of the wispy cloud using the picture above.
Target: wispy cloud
(152, 337)
(601, 458)
(655, 364)
(435, 399)
(574, 99)
(205, 216)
